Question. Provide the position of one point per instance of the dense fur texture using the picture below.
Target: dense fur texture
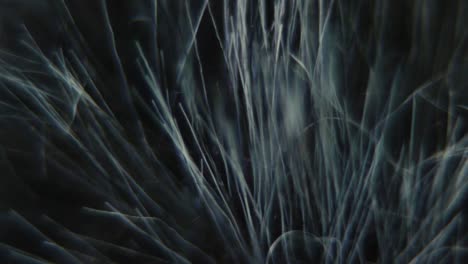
(243, 131)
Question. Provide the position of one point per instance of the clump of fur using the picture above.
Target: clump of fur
(236, 132)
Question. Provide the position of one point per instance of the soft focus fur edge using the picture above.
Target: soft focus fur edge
(154, 131)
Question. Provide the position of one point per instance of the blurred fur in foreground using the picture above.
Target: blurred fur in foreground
(233, 131)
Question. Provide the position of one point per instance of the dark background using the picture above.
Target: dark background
(417, 44)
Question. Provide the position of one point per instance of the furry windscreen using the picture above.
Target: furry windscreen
(233, 131)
